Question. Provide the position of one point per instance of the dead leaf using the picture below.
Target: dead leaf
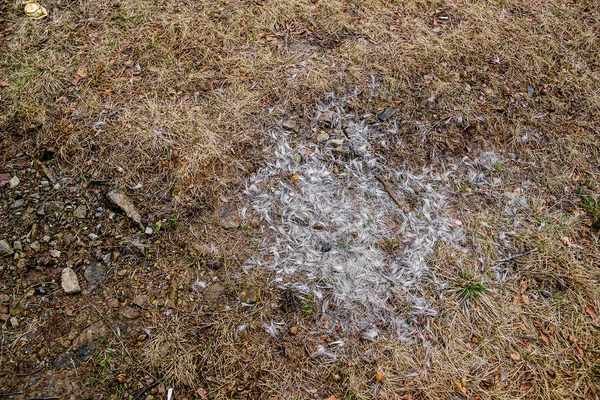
(578, 350)
(525, 388)
(545, 338)
(592, 312)
(81, 72)
(378, 377)
(4, 84)
(524, 286)
(514, 355)
(461, 386)
(332, 397)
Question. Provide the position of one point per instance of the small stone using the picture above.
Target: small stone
(14, 322)
(337, 142)
(94, 273)
(70, 283)
(322, 137)
(44, 183)
(18, 203)
(141, 301)
(17, 245)
(148, 231)
(249, 296)
(93, 236)
(319, 226)
(80, 212)
(14, 182)
(112, 303)
(55, 253)
(229, 217)
(385, 114)
(129, 312)
(326, 116)
(35, 246)
(546, 293)
(289, 124)
(46, 238)
(122, 272)
(5, 249)
(298, 158)
(121, 200)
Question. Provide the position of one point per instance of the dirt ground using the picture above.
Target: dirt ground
(178, 104)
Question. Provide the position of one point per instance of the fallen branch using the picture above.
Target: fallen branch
(390, 191)
(140, 394)
(10, 394)
(516, 256)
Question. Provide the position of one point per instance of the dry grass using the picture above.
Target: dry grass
(177, 94)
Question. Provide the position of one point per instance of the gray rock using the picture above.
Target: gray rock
(229, 217)
(14, 322)
(14, 182)
(80, 212)
(69, 281)
(121, 200)
(385, 114)
(6, 249)
(129, 312)
(66, 360)
(55, 253)
(323, 136)
(141, 301)
(51, 207)
(44, 169)
(148, 231)
(86, 342)
(17, 245)
(18, 203)
(94, 273)
(289, 124)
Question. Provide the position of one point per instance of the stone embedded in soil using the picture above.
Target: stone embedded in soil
(66, 360)
(94, 273)
(289, 124)
(85, 343)
(141, 301)
(129, 312)
(112, 303)
(14, 182)
(385, 114)
(51, 207)
(121, 200)
(6, 249)
(249, 296)
(229, 217)
(80, 212)
(212, 293)
(69, 282)
(4, 179)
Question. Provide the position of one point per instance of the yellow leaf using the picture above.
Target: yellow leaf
(461, 386)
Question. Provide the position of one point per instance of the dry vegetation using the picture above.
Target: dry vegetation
(177, 95)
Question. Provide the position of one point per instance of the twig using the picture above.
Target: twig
(388, 189)
(10, 394)
(42, 398)
(35, 371)
(140, 394)
(516, 256)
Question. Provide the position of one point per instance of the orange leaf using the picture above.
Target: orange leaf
(332, 398)
(378, 377)
(461, 386)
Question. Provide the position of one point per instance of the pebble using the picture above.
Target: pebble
(17, 245)
(35, 246)
(322, 137)
(385, 114)
(44, 183)
(337, 142)
(229, 217)
(18, 203)
(14, 322)
(80, 212)
(148, 231)
(112, 303)
(94, 273)
(14, 182)
(289, 124)
(55, 253)
(129, 312)
(5, 249)
(141, 301)
(121, 200)
(69, 282)
(93, 236)
(46, 238)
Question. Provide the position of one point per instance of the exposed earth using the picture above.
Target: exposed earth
(300, 200)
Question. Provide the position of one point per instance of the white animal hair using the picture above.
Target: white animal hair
(344, 262)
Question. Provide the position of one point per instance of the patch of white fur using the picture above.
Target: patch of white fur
(357, 283)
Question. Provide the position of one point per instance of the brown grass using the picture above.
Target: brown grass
(184, 91)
